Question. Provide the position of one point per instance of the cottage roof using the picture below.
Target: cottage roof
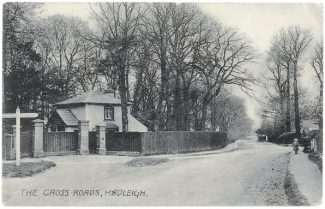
(92, 98)
(68, 117)
(111, 125)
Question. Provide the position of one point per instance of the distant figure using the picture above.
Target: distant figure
(313, 143)
(295, 145)
(266, 139)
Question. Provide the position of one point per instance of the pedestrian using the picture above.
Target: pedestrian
(295, 145)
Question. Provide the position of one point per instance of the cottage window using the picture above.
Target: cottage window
(109, 112)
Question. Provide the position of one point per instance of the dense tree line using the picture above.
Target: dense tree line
(174, 63)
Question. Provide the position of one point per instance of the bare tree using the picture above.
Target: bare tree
(228, 115)
(118, 24)
(146, 87)
(223, 63)
(298, 42)
(87, 70)
(59, 38)
(283, 59)
(157, 31)
(286, 53)
(175, 34)
(191, 32)
(277, 83)
(317, 64)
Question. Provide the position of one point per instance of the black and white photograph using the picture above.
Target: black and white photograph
(178, 103)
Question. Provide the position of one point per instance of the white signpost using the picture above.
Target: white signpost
(18, 115)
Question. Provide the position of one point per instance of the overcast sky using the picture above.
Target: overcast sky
(258, 22)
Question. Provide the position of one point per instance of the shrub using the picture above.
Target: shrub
(286, 138)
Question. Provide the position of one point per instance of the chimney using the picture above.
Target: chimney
(109, 91)
(117, 94)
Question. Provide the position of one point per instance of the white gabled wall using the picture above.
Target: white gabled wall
(95, 115)
(135, 125)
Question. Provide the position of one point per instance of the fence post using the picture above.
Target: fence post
(142, 143)
(38, 150)
(12, 148)
(101, 139)
(83, 137)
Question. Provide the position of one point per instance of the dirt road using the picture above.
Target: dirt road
(253, 174)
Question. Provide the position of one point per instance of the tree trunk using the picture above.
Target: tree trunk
(321, 109)
(177, 105)
(123, 95)
(213, 120)
(162, 95)
(204, 114)
(169, 121)
(185, 109)
(135, 104)
(288, 102)
(283, 119)
(296, 101)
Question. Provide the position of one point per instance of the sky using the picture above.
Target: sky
(257, 21)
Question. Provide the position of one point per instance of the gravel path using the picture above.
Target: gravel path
(267, 188)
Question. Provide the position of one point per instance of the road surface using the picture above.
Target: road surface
(253, 174)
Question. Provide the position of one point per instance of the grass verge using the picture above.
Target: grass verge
(143, 161)
(315, 158)
(10, 170)
(295, 198)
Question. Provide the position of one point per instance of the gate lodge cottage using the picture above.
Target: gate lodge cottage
(97, 108)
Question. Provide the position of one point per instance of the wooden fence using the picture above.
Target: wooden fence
(60, 143)
(147, 143)
(26, 144)
(165, 142)
(9, 143)
(119, 141)
(172, 142)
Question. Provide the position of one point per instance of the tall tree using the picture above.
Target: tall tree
(317, 64)
(223, 63)
(190, 33)
(298, 42)
(277, 83)
(59, 38)
(118, 24)
(87, 70)
(157, 31)
(284, 59)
